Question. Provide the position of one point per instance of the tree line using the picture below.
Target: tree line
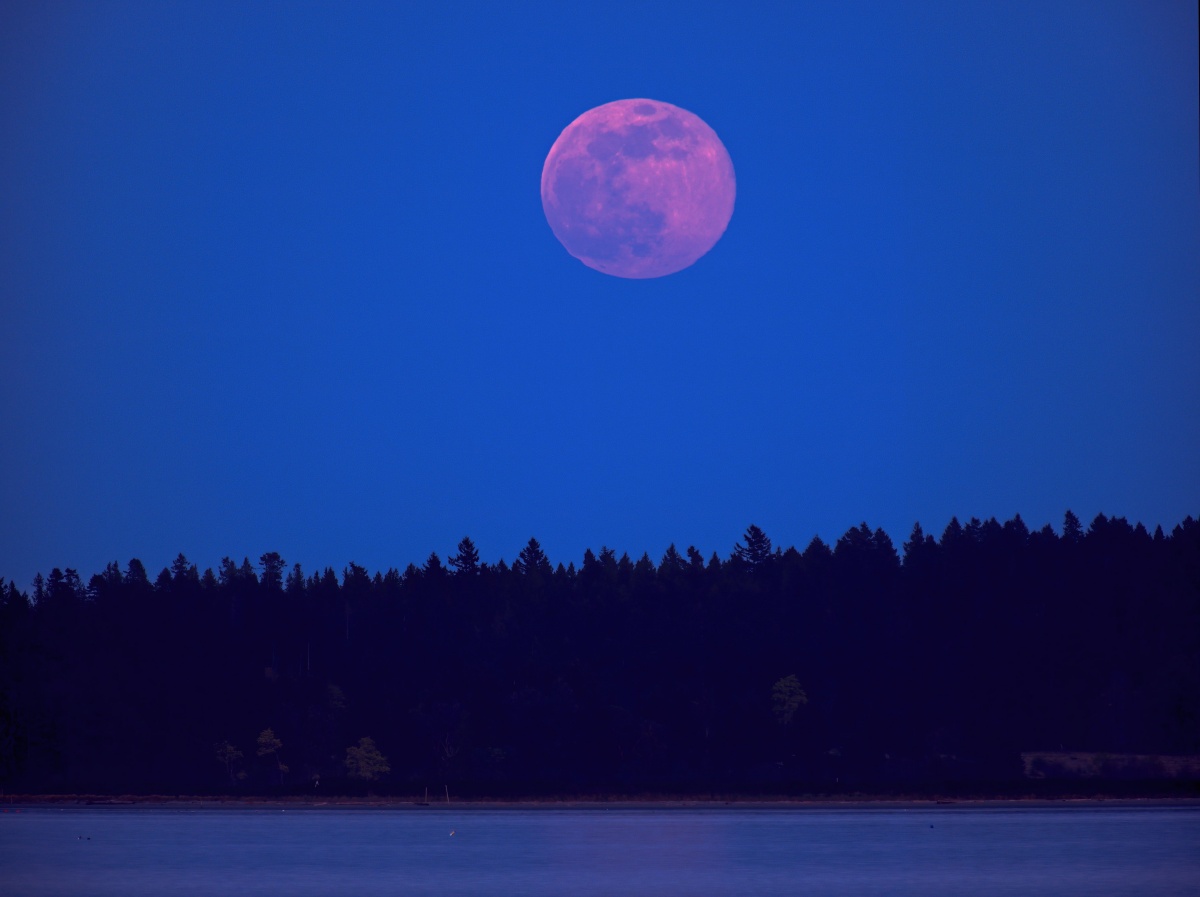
(836, 667)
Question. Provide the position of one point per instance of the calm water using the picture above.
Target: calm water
(133, 852)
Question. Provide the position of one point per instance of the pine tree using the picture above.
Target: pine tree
(757, 550)
(466, 561)
(532, 561)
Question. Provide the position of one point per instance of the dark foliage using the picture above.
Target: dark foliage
(773, 670)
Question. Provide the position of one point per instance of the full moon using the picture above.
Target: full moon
(638, 188)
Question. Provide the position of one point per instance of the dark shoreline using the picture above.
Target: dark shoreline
(855, 802)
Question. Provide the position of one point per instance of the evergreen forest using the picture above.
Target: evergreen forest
(858, 666)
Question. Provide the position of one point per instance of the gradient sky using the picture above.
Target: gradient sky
(275, 276)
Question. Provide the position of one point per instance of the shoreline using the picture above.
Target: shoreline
(18, 802)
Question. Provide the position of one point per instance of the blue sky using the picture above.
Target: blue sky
(276, 277)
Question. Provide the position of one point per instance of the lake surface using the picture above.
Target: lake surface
(530, 853)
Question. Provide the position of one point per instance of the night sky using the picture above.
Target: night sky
(276, 277)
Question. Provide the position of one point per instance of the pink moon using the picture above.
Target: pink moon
(638, 188)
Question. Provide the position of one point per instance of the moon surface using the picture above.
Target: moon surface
(638, 188)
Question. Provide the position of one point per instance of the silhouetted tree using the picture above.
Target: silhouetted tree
(622, 675)
(272, 571)
(757, 550)
(466, 561)
(532, 561)
(1072, 529)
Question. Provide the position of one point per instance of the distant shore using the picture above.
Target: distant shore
(851, 802)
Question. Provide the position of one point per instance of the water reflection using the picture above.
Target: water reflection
(601, 852)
